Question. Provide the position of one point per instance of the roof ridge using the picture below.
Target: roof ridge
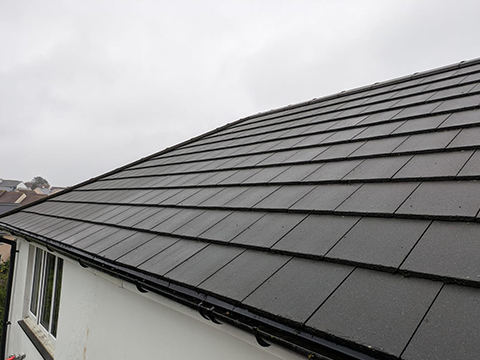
(461, 64)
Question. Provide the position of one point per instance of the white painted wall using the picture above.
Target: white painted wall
(106, 318)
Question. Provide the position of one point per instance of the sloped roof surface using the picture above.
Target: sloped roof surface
(354, 217)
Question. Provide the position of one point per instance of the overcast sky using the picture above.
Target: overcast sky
(88, 86)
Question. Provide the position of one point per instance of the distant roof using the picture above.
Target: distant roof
(11, 197)
(31, 198)
(350, 220)
(10, 183)
(4, 208)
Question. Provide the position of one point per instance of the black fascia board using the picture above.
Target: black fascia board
(217, 310)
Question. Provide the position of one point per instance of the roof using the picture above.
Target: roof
(10, 183)
(12, 197)
(351, 219)
(4, 208)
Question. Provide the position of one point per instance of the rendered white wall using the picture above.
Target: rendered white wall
(106, 318)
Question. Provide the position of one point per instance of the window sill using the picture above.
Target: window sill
(38, 338)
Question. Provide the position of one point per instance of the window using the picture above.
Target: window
(46, 288)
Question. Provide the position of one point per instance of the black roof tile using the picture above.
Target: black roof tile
(326, 197)
(378, 168)
(335, 170)
(434, 165)
(444, 198)
(240, 277)
(204, 264)
(466, 137)
(311, 283)
(251, 196)
(375, 309)
(462, 118)
(379, 241)
(339, 151)
(447, 249)
(316, 234)
(379, 146)
(430, 141)
(381, 198)
(472, 167)
(424, 123)
(268, 230)
(284, 197)
(170, 257)
(295, 173)
(450, 329)
(232, 225)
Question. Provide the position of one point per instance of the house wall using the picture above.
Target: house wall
(105, 318)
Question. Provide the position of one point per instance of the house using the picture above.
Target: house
(12, 197)
(11, 185)
(346, 227)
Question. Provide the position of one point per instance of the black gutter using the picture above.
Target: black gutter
(264, 329)
(6, 313)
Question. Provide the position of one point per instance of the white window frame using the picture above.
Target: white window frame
(45, 294)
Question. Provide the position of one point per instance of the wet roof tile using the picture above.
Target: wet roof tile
(178, 220)
(375, 309)
(466, 137)
(296, 173)
(204, 264)
(417, 110)
(310, 283)
(335, 170)
(379, 241)
(434, 165)
(382, 198)
(244, 274)
(450, 329)
(268, 230)
(224, 196)
(444, 198)
(316, 234)
(232, 225)
(171, 256)
(148, 217)
(379, 146)
(326, 197)
(201, 223)
(459, 103)
(377, 168)
(430, 141)
(123, 247)
(284, 197)
(447, 249)
(424, 123)
(472, 167)
(462, 118)
(251, 196)
(339, 151)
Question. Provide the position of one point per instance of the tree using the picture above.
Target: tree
(39, 181)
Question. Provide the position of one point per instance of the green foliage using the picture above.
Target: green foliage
(4, 269)
(39, 181)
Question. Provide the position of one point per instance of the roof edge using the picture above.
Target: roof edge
(212, 308)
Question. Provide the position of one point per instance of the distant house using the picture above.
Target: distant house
(11, 185)
(42, 191)
(12, 197)
(346, 227)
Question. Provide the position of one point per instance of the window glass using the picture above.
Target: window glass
(46, 288)
(47, 291)
(58, 288)
(36, 281)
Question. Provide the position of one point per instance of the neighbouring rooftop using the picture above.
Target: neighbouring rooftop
(352, 218)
